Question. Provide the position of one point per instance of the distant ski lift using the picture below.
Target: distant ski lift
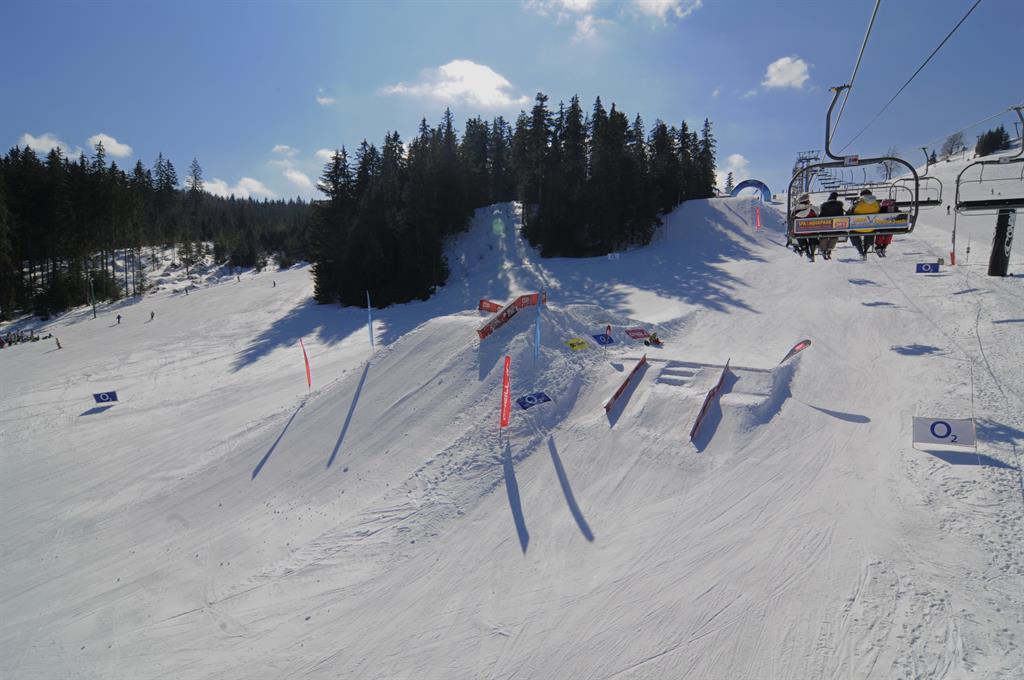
(1003, 177)
(840, 175)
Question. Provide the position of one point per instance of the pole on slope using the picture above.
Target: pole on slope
(369, 318)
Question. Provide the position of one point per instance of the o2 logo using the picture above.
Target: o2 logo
(940, 429)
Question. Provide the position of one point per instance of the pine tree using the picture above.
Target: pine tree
(706, 161)
(729, 183)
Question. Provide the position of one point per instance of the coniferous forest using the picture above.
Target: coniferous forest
(589, 184)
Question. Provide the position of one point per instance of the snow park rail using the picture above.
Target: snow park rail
(510, 310)
(622, 387)
(707, 401)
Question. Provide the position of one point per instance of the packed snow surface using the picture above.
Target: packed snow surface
(221, 521)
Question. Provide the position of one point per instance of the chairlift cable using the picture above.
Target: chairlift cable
(968, 127)
(919, 69)
(856, 67)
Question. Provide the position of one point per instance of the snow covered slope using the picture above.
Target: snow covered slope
(221, 522)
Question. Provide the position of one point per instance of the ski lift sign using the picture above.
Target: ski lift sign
(945, 431)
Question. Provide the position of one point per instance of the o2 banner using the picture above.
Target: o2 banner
(945, 431)
(105, 397)
(532, 400)
(927, 268)
(603, 339)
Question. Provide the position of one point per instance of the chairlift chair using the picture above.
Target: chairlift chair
(904, 191)
(1005, 170)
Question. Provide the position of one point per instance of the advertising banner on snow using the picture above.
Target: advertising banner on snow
(945, 431)
(532, 400)
(797, 348)
(506, 395)
(510, 310)
(105, 397)
(927, 268)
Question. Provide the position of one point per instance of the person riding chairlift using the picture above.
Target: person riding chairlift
(803, 210)
(882, 241)
(867, 204)
(833, 207)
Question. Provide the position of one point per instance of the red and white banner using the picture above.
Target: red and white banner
(488, 306)
(309, 378)
(757, 216)
(798, 347)
(506, 395)
(622, 387)
(707, 401)
(510, 310)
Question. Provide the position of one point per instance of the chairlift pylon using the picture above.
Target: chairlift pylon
(903, 191)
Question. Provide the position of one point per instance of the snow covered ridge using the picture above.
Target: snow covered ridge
(222, 521)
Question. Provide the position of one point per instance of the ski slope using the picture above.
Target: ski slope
(221, 521)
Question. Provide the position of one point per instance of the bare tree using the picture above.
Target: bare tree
(953, 144)
(889, 167)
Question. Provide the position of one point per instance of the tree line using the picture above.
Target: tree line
(68, 226)
(589, 184)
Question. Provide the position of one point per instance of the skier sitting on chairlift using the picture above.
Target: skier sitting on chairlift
(805, 209)
(833, 207)
(867, 204)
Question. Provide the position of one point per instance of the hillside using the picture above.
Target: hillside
(222, 522)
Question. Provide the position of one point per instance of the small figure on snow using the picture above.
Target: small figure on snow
(653, 340)
(119, 319)
(152, 315)
(275, 285)
(58, 342)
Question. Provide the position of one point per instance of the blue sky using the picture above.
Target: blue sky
(255, 90)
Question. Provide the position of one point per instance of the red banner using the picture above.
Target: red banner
(309, 378)
(798, 347)
(510, 310)
(506, 395)
(757, 214)
(622, 387)
(488, 306)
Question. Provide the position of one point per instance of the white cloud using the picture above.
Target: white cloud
(787, 72)
(661, 9)
(324, 154)
(462, 80)
(284, 149)
(587, 28)
(322, 99)
(560, 8)
(714, 93)
(112, 146)
(299, 179)
(737, 165)
(749, 93)
(247, 187)
(42, 145)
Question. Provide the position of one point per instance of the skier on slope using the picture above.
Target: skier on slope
(867, 204)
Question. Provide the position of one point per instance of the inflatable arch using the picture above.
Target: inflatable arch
(766, 193)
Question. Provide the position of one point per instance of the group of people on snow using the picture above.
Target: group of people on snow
(866, 204)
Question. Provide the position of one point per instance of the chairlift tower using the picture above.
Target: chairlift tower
(804, 159)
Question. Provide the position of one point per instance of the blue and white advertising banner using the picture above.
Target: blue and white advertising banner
(105, 397)
(604, 339)
(532, 400)
(944, 431)
(927, 268)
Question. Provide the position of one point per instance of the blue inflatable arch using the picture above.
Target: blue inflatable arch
(766, 193)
